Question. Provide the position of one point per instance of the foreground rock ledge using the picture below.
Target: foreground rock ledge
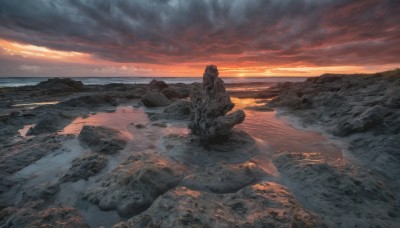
(264, 204)
(209, 107)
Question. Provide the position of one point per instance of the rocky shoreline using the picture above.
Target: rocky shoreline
(177, 181)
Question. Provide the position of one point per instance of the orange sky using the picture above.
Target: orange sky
(179, 38)
(86, 64)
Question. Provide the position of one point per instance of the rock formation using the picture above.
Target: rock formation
(209, 107)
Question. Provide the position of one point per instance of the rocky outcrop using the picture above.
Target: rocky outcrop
(209, 107)
(85, 167)
(89, 101)
(223, 177)
(264, 204)
(61, 85)
(177, 110)
(155, 98)
(136, 183)
(341, 193)
(102, 140)
(35, 209)
(157, 85)
(51, 217)
(49, 123)
(362, 108)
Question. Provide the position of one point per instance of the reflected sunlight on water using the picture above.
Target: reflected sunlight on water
(120, 120)
(268, 129)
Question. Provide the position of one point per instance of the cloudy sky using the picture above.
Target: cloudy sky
(180, 37)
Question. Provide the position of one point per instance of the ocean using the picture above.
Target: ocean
(29, 81)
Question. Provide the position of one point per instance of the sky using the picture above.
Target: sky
(180, 37)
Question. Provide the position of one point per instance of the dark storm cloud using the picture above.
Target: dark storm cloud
(325, 32)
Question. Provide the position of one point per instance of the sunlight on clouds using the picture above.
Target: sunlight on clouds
(32, 51)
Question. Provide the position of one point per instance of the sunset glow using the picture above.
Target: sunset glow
(178, 38)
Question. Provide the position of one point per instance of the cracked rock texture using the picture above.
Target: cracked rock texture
(209, 108)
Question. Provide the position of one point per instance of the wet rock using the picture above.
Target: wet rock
(361, 106)
(393, 101)
(223, 177)
(61, 85)
(19, 155)
(102, 140)
(265, 204)
(136, 183)
(209, 107)
(370, 118)
(45, 192)
(177, 110)
(170, 93)
(342, 194)
(238, 148)
(49, 123)
(51, 217)
(155, 99)
(157, 85)
(85, 167)
(89, 101)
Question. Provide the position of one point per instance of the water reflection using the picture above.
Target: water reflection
(271, 130)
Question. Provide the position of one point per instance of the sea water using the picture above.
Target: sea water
(29, 81)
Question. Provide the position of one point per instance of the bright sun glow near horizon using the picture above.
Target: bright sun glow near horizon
(179, 38)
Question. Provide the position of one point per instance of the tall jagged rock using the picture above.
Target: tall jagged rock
(209, 107)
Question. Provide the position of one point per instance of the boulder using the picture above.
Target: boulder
(209, 107)
(157, 85)
(101, 139)
(155, 98)
(85, 167)
(49, 123)
(136, 183)
(177, 110)
(61, 85)
(170, 93)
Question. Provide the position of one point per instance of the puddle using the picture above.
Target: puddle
(272, 134)
(275, 132)
(50, 167)
(121, 119)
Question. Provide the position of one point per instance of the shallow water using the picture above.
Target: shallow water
(272, 134)
(275, 132)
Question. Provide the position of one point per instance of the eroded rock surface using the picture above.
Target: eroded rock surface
(136, 183)
(264, 204)
(85, 166)
(344, 195)
(362, 109)
(35, 209)
(177, 110)
(209, 107)
(102, 140)
(223, 177)
(155, 98)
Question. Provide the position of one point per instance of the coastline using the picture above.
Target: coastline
(320, 188)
